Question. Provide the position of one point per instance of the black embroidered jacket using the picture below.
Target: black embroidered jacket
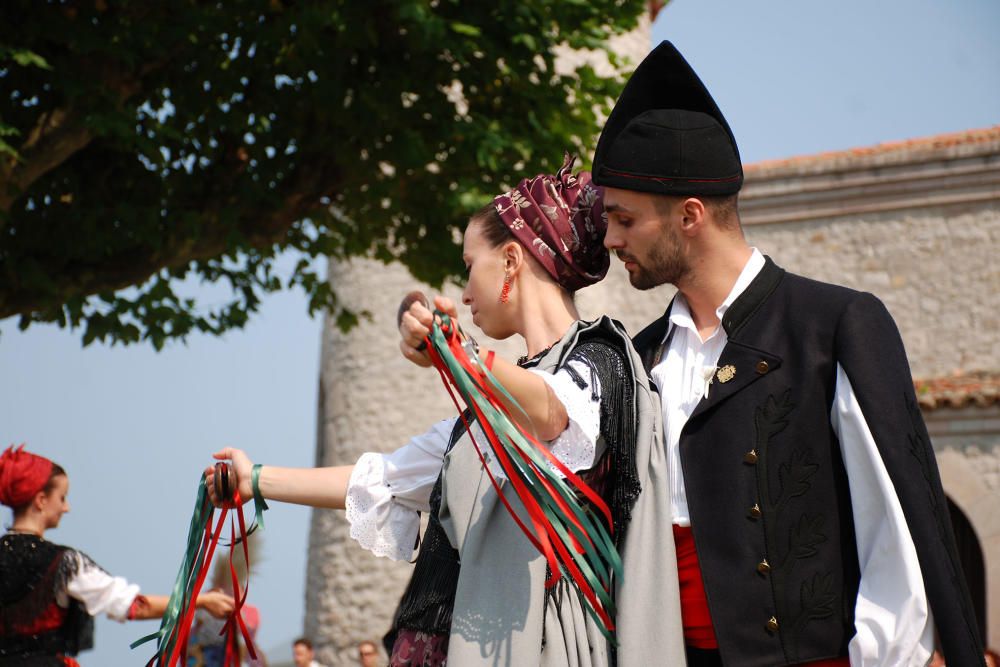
(766, 487)
(34, 629)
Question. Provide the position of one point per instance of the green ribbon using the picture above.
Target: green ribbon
(180, 596)
(259, 503)
(600, 562)
(196, 555)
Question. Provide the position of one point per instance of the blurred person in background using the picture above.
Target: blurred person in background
(303, 654)
(367, 653)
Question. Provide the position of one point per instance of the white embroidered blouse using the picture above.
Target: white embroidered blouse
(387, 492)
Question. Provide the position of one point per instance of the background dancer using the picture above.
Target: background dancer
(49, 592)
(526, 253)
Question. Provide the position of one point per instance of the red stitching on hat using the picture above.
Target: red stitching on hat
(612, 172)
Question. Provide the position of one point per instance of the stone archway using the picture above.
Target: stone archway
(975, 501)
(970, 555)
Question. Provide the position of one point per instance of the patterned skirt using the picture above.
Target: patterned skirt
(419, 649)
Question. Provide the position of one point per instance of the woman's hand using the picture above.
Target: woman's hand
(415, 325)
(217, 603)
(241, 467)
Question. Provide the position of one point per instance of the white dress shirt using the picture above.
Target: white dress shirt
(892, 617)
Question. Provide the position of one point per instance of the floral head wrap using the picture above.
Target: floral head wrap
(22, 475)
(561, 221)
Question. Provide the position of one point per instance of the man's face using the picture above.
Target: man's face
(368, 654)
(302, 655)
(642, 231)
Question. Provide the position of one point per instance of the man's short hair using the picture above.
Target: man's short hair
(724, 208)
(305, 641)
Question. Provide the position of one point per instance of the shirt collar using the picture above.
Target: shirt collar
(680, 313)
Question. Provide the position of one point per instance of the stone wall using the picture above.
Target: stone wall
(933, 268)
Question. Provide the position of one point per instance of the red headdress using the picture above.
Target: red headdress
(560, 220)
(22, 475)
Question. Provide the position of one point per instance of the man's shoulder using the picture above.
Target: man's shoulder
(807, 300)
(812, 288)
(808, 295)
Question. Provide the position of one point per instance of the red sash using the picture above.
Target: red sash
(698, 630)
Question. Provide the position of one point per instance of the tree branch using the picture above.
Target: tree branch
(56, 136)
(135, 266)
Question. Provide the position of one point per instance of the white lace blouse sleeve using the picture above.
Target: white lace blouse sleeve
(100, 592)
(576, 446)
(387, 492)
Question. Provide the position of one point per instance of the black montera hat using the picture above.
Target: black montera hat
(666, 135)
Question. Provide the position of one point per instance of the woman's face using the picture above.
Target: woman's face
(485, 268)
(56, 504)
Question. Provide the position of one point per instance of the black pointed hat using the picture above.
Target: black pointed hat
(666, 134)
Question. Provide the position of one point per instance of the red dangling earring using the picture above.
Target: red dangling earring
(505, 292)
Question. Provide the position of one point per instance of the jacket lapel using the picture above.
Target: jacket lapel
(739, 367)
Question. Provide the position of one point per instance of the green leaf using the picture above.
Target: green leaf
(25, 58)
(465, 29)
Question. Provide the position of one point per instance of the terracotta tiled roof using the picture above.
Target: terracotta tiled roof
(979, 389)
(964, 138)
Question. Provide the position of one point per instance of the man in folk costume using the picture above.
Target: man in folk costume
(810, 522)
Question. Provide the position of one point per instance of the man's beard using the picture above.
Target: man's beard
(665, 264)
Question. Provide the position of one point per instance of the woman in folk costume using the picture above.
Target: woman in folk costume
(478, 595)
(48, 592)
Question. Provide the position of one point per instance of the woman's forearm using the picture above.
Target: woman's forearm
(317, 487)
(149, 606)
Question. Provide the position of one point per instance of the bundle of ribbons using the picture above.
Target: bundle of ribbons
(173, 636)
(569, 523)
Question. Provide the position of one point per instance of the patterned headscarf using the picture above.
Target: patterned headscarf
(561, 221)
(22, 475)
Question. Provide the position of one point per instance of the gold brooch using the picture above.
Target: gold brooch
(726, 373)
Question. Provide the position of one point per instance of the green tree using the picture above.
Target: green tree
(147, 143)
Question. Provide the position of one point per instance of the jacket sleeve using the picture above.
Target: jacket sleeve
(870, 351)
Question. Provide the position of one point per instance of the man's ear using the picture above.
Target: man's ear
(692, 216)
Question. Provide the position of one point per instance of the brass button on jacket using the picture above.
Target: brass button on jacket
(755, 511)
(763, 567)
(750, 457)
(762, 367)
(772, 624)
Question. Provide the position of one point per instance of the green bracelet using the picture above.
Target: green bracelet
(259, 503)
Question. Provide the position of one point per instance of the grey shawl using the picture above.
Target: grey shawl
(502, 615)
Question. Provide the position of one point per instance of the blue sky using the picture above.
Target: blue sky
(134, 427)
